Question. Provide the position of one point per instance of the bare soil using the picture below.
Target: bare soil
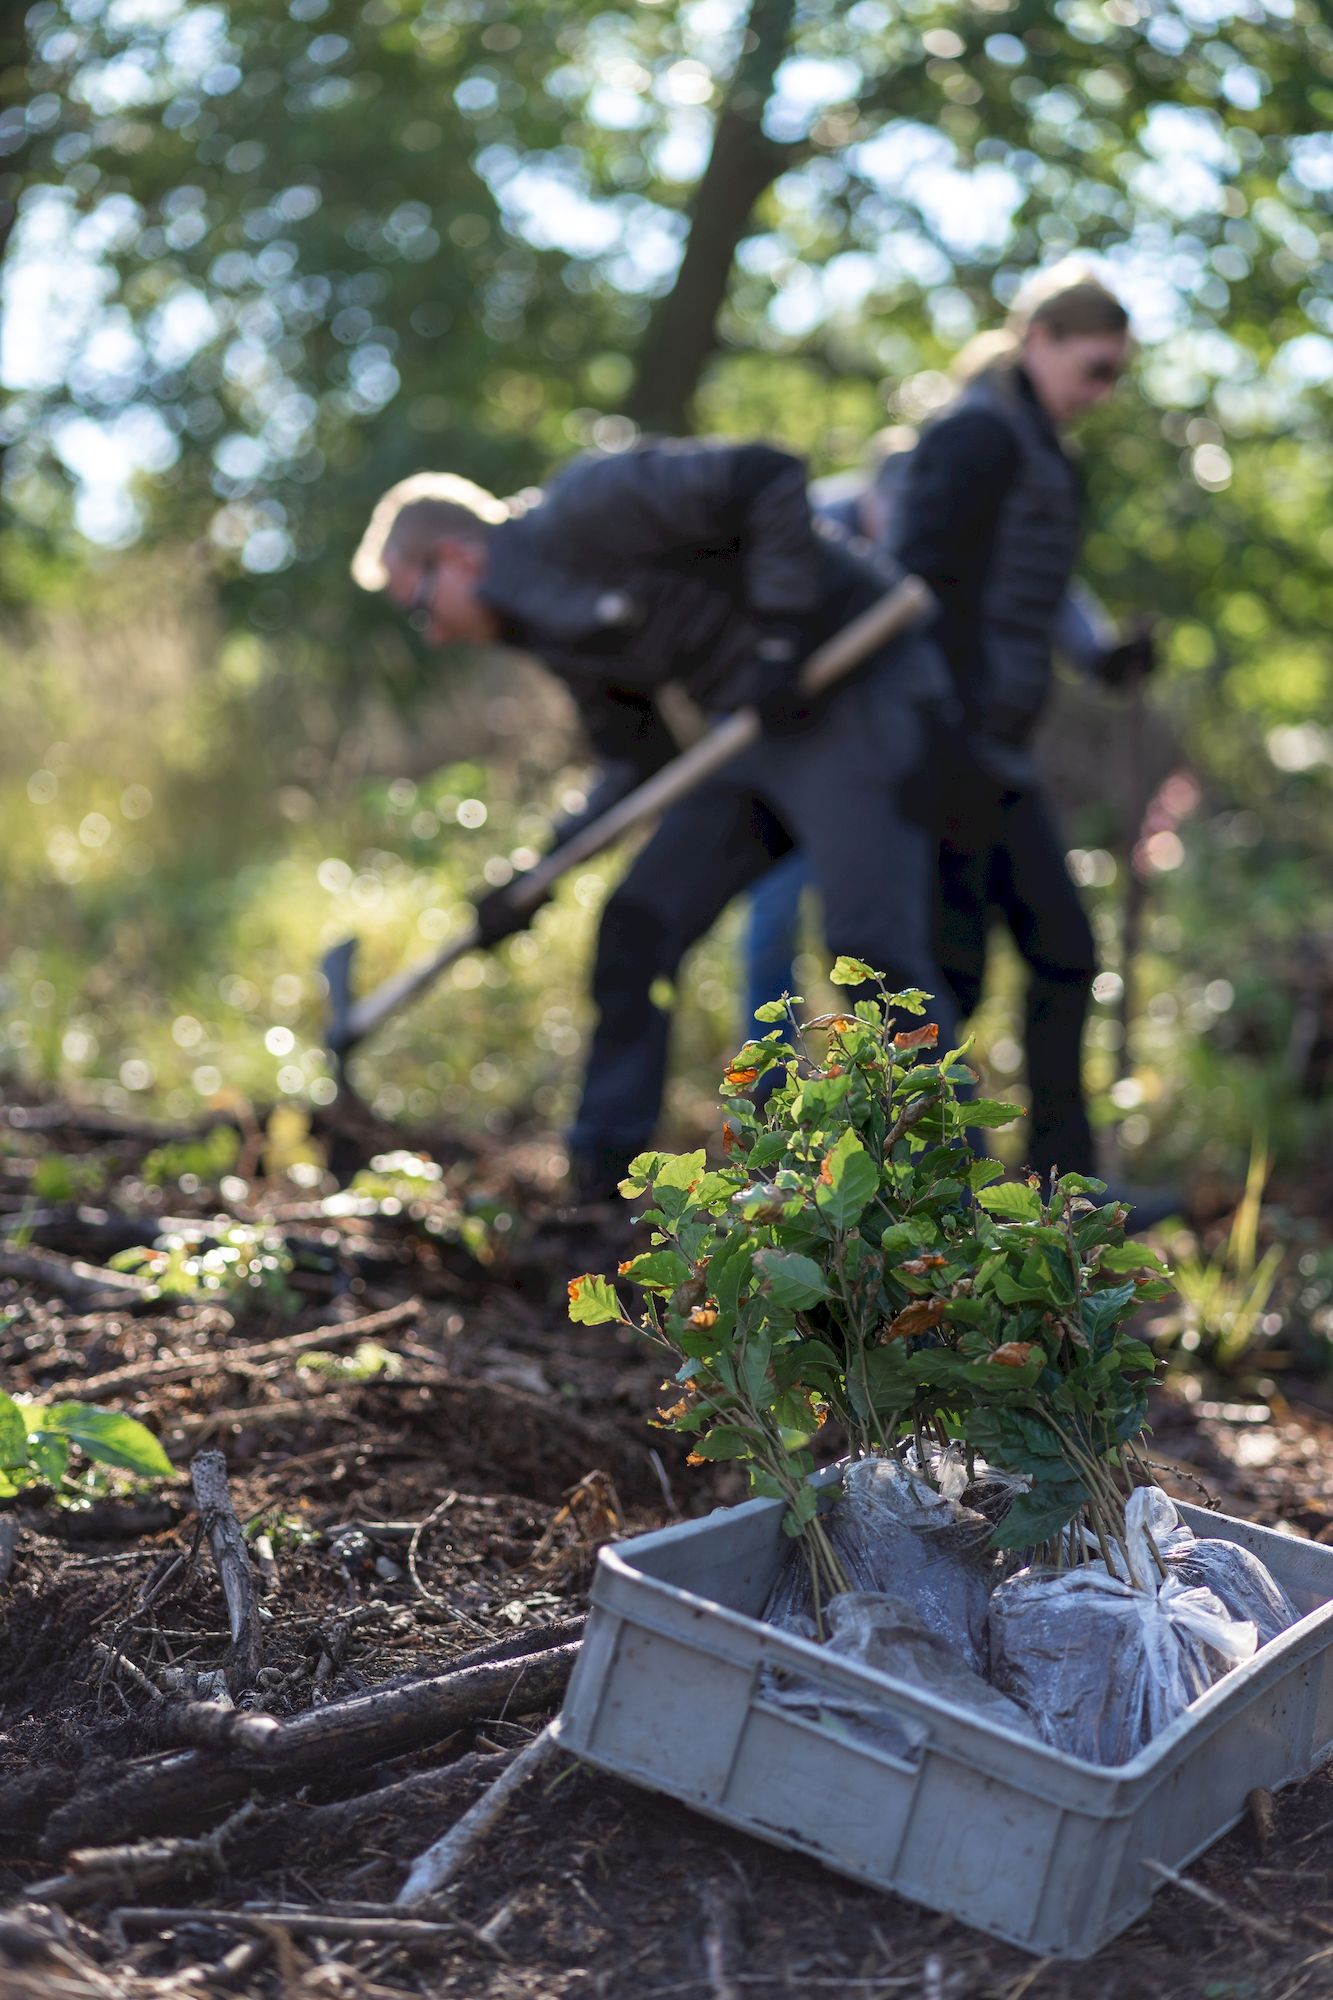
(446, 1497)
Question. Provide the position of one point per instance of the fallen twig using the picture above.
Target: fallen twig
(436, 1867)
(9, 1541)
(1259, 1925)
(208, 1476)
(71, 1278)
(94, 1872)
(181, 1368)
(301, 1923)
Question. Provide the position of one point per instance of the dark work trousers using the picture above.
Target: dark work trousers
(1002, 856)
(853, 789)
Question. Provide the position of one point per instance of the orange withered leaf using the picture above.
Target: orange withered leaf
(1014, 1353)
(731, 1142)
(826, 1172)
(740, 1078)
(917, 1267)
(918, 1038)
(838, 1023)
(704, 1317)
(918, 1317)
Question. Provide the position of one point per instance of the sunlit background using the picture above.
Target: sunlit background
(266, 261)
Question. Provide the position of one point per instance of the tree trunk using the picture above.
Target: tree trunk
(682, 333)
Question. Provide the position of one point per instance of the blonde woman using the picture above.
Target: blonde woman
(988, 509)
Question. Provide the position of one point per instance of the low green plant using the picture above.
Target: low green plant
(367, 1362)
(852, 1259)
(204, 1159)
(68, 1177)
(38, 1440)
(413, 1185)
(232, 1263)
(1224, 1298)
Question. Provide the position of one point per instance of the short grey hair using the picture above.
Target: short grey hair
(419, 512)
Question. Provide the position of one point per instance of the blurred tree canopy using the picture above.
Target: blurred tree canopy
(335, 242)
(275, 257)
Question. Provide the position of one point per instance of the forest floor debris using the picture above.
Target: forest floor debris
(424, 1456)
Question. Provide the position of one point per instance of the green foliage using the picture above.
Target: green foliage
(68, 1177)
(37, 1441)
(368, 1362)
(232, 1263)
(413, 1185)
(1223, 1298)
(201, 1160)
(837, 1265)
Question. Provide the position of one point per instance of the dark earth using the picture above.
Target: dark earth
(437, 1496)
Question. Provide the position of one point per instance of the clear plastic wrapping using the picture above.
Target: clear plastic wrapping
(882, 1632)
(895, 1535)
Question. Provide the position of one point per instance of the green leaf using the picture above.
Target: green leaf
(680, 1170)
(790, 1280)
(729, 1272)
(727, 1441)
(753, 1370)
(593, 1301)
(641, 1172)
(49, 1457)
(1132, 1257)
(1037, 1515)
(1101, 1310)
(851, 971)
(655, 1271)
(804, 1507)
(1014, 1201)
(847, 1181)
(982, 1172)
(13, 1434)
(772, 1010)
(1079, 1184)
(989, 1111)
(108, 1437)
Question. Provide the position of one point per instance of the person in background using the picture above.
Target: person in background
(695, 564)
(986, 506)
(989, 511)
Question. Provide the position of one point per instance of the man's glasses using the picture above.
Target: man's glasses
(1101, 371)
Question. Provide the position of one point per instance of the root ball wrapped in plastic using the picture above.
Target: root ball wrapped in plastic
(894, 1534)
(1243, 1584)
(1102, 1665)
(882, 1632)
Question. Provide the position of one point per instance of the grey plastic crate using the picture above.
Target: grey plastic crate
(1015, 1838)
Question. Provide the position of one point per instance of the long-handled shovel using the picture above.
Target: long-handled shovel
(351, 1021)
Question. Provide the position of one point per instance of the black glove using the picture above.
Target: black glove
(773, 682)
(497, 917)
(1132, 660)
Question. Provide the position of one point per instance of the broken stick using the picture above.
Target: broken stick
(208, 1476)
(437, 1866)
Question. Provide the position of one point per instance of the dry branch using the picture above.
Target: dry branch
(435, 1868)
(240, 1586)
(95, 1872)
(9, 1541)
(181, 1368)
(301, 1923)
(71, 1278)
(185, 1787)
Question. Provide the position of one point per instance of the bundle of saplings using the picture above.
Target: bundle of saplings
(995, 1532)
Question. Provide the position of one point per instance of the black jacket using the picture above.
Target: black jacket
(987, 509)
(669, 562)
